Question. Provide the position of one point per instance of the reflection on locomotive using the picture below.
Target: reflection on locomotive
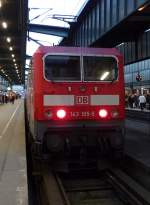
(75, 100)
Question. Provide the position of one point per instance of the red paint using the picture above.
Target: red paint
(82, 109)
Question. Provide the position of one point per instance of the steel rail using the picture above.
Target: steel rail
(133, 191)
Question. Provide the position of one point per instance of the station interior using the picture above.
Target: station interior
(27, 179)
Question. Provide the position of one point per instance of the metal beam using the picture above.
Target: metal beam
(5, 58)
(28, 57)
(49, 30)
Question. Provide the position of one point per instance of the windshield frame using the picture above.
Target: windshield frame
(62, 54)
(81, 67)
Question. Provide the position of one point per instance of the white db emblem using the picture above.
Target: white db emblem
(80, 100)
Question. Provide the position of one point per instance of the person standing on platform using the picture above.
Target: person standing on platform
(131, 100)
(12, 99)
(6, 99)
(136, 100)
(142, 101)
(3, 99)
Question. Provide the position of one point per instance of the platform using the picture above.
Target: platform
(138, 114)
(13, 174)
(137, 143)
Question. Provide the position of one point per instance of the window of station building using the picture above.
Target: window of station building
(136, 67)
(146, 75)
(62, 68)
(131, 68)
(128, 69)
(134, 77)
(128, 78)
(100, 68)
(140, 65)
(146, 64)
(143, 65)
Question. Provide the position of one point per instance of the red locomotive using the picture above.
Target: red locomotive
(75, 99)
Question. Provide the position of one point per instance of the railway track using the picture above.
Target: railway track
(109, 187)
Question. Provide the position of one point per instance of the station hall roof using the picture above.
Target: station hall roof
(13, 27)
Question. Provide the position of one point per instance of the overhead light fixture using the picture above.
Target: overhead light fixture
(4, 24)
(10, 48)
(8, 39)
(121, 44)
(147, 30)
(0, 4)
(14, 60)
(141, 8)
(12, 55)
(9, 88)
(104, 75)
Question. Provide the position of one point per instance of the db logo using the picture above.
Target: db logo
(79, 100)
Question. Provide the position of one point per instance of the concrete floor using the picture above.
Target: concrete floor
(137, 143)
(13, 175)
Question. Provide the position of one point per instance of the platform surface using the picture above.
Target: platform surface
(138, 109)
(13, 169)
(137, 142)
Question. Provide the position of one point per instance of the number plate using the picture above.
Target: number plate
(83, 114)
(82, 100)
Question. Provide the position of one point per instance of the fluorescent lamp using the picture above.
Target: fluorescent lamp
(10, 48)
(104, 75)
(8, 39)
(141, 8)
(4, 24)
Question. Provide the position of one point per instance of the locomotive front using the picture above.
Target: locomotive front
(78, 100)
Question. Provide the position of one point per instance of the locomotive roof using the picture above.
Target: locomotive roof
(83, 50)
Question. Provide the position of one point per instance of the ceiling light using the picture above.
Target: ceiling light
(147, 30)
(4, 24)
(121, 44)
(104, 75)
(12, 55)
(10, 48)
(8, 39)
(141, 8)
(0, 4)
(14, 60)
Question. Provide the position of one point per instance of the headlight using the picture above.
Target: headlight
(103, 113)
(61, 114)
